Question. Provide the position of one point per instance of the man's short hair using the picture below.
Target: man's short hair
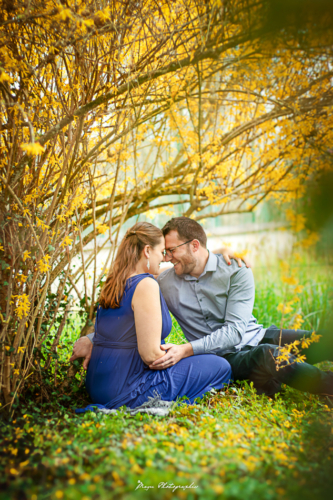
(187, 229)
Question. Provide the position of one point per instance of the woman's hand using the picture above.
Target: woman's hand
(174, 354)
(82, 349)
(229, 254)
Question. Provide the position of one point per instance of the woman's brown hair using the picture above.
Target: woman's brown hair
(128, 255)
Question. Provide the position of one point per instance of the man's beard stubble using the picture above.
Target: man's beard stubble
(188, 263)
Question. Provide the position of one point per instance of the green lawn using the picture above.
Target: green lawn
(233, 444)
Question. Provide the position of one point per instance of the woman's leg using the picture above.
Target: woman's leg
(191, 377)
(196, 375)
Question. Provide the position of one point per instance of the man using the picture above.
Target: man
(213, 302)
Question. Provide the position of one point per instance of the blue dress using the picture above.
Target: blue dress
(117, 375)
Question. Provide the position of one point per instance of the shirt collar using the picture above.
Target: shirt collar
(211, 263)
(210, 266)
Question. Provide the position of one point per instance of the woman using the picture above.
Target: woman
(131, 323)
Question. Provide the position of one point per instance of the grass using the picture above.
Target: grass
(231, 445)
(315, 300)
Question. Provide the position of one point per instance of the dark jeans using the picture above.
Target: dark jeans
(258, 364)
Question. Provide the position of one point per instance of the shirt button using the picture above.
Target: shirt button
(206, 317)
(197, 281)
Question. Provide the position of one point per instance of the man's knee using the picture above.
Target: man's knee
(265, 353)
(263, 372)
(277, 336)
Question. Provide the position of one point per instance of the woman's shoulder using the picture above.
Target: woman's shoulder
(146, 286)
(146, 293)
(147, 281)
(139, 278)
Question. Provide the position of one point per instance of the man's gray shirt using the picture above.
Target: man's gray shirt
(214, 310)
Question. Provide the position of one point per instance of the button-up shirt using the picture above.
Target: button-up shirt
(214, 310)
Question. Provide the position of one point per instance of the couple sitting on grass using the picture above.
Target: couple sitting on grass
(127, 360)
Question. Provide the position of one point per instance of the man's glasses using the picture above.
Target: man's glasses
(169, 252)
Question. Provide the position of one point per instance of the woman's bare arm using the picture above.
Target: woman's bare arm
(146, 304)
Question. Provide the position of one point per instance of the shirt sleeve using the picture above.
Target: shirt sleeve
(91, 337)
(237, 316)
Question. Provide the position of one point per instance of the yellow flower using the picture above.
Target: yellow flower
(67, 241)
(102, 228)
(315, 337)
(116, 476)
(33, 148)
(71, 481)
(43, 264)
(59, 494)
(1, 248)
(88, 22)
(310, 240)
(63, 15)
(41, 224)
(218, 488)
(290, 280)
(4, 77)
(104, 15)
(22, 305)
(284, 308)
(14, 471)
(26, 212)
(297, 322)
(136, 469)
(297, 220)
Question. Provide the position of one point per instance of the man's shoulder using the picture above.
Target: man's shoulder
(223, 266)
(232, 269)
(167, 275)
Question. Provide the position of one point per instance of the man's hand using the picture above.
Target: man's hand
(229, 254)
(175, 353)
(82, 349)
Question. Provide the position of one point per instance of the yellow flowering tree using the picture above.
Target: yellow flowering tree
(111, 109)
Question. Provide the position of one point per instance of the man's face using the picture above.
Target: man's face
(182, 257)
